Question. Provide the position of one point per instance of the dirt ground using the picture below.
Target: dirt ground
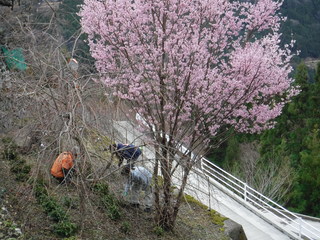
(18, 197)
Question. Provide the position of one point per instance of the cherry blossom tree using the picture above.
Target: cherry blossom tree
(192, 70)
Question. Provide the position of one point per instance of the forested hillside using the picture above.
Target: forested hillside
(303, 25)
(283, 163)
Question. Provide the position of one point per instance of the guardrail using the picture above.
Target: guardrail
(295, 226)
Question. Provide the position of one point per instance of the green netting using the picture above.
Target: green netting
(14, 59)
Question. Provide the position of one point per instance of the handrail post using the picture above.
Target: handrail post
(209, 191)
(245, 192)
(300, 227)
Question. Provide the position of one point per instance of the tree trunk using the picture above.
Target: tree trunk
(179, 197)
(167, 221)
(156, 186)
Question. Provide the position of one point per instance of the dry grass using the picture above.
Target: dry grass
(193, 221)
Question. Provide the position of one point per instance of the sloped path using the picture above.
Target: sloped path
(255, 227)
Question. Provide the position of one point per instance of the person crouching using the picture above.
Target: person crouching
(126, 151)
(138, 179)
(63, 167)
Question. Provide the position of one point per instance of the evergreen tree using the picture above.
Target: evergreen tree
(314, 98)
(306, 195)
(294, 140)
(298, 105)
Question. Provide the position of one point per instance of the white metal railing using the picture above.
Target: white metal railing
(256, 200)
(296, 227)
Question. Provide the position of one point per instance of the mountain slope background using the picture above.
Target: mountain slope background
(303, 25)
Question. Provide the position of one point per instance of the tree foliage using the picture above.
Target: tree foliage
(305, 196)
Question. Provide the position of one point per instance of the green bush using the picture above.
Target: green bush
(53, 209)
(10, 149)
(65, 228)
(108, 200)
(19, 167)
(125, 227)
(48, 204)
(101, 188)
(9, 224)
(69, 202)
(71, 238)
(114, 212)
(40, 191)
(58, 214)
(9, 154)
(21, 177)
(159, 231)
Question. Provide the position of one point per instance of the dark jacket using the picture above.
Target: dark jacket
(128, 152)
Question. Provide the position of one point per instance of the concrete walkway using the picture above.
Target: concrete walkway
(254, 227)
(206, 192)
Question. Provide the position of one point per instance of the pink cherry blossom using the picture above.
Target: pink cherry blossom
(192, 69)
(205, 64)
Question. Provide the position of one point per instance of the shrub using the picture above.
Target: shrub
(108, 200)
(65, 228)
(69, 202)
(20, 169)
(125, 227)
(58, 214)
(9, 154)
(40, 191)
(159, 231)
(17, 166)
(101, 188)
(114, 212)
(48, 204)
(9, 224)
(10, 149)
(71, 238)
(22, 177)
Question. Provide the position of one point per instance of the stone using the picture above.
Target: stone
(234, 230)
(18, 231)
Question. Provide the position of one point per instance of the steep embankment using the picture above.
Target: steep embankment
(42, 209)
